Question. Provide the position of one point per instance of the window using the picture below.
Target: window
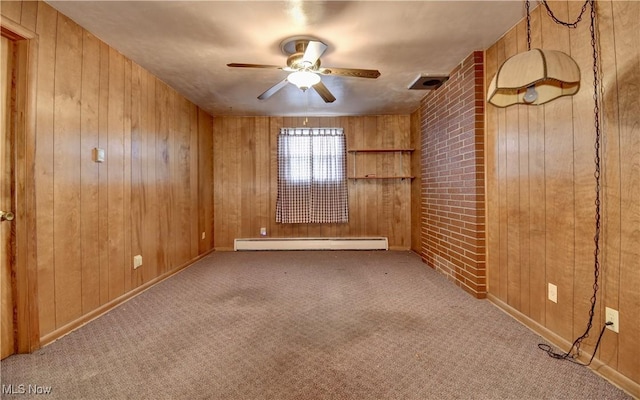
(312, 182)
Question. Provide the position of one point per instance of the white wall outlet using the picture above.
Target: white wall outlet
(553, 293)
(263, 231)
(611, 315)
(137, 261)
(204, 235)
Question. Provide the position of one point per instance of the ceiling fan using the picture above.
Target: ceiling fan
(304, 64)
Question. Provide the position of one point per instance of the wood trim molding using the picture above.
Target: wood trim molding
(27, 321)
(66, 329)
(15, 31)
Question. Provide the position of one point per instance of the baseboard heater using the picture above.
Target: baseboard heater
(348, 243)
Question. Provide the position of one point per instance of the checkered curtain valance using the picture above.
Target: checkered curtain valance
(312, 176)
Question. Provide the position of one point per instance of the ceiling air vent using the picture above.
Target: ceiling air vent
(428, 82)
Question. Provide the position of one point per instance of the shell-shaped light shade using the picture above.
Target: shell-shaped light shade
(553, 73)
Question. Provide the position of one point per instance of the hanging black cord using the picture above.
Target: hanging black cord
(567, 24)
(528, 25)
(569, 355)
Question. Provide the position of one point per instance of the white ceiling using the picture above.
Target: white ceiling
(187, 44)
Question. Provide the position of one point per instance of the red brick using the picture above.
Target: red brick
(452, 166)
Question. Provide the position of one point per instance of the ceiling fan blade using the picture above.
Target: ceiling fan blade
(273, 89)
(240, 65)
(353, 72)
(313, 51)
(324, 92)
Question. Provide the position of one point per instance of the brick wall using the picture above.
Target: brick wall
(452, 177)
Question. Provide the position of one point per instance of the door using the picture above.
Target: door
(8, 340)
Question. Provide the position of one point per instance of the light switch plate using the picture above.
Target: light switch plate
(98, 155)
(553, 293)
(137, 261)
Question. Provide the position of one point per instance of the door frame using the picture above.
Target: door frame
(25, 257)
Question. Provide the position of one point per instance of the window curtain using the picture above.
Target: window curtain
(312, 181)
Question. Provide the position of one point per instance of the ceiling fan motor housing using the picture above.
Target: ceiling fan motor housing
(295, 62)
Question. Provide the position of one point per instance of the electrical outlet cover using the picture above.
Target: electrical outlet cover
(611, 315)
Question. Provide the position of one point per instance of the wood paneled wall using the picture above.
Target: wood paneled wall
(541, 187)
(153, 194)
(416, 185)
(245, 177)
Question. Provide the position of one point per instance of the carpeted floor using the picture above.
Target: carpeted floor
(303, 325)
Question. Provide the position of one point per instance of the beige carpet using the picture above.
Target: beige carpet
(303, 325)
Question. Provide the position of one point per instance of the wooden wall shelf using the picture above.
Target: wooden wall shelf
(386, 150)
(381, 177)
(378, 150)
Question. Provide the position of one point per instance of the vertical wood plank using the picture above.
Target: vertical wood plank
(491, 174)
(127, 265)
(274, 128)
(523, 210)
(247, 178)
(263, 214)
(501, 156)
(370, 167)
(89, 173)
(222, 184)
(611, 212)
(416, 215)
(29, 15)
(163, 114)
(537, 195)
(26, 241)
(218, 179)
(115, 175)
(181, 227)
(358, 186)
(583, 183)
(67, 256)
(103, 184)
(233, 188)
(560, 196)
(46, 28)
(627, 39)
(138, 172)
(150, 259)
(194, 196)
(512, 188)
(205, 176)
(8, 143)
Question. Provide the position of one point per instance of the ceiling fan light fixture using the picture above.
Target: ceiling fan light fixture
(303, 79)
(534, 77)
